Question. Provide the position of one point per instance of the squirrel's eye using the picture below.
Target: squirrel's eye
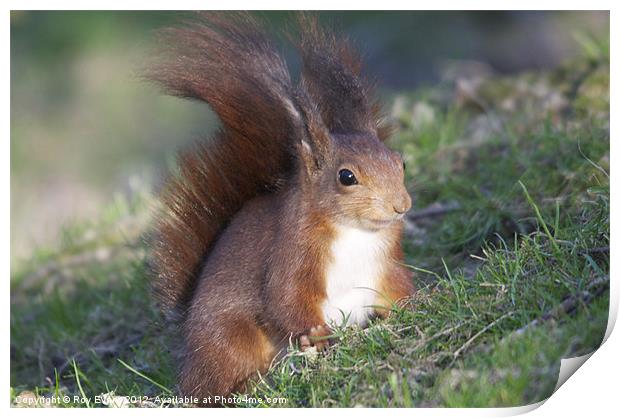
(404, 165)
(346, 177)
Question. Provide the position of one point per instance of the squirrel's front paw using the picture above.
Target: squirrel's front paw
(317, 337)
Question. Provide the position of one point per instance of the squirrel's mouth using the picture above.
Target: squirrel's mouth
(382, 223)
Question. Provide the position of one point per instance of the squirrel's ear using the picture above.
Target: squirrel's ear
(310, 163)
(314, 147)
(312, 159)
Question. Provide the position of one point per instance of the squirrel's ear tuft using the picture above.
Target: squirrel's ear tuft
(332, 72)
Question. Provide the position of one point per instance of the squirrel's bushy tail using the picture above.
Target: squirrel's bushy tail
(227, 61)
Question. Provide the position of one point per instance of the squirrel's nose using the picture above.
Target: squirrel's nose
(402, 204)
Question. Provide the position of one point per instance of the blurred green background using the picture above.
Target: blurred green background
(84, 126)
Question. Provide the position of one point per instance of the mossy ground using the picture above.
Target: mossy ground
(508, 238)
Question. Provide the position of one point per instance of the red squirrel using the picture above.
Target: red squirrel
(289, 219)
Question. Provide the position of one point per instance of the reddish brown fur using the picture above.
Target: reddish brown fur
(243, 241)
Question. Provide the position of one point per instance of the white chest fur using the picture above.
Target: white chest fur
(352, 276)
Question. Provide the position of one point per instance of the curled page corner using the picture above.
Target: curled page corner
(568, 366)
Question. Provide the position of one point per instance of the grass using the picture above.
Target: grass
(512, 266)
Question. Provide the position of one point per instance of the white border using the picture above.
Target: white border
(309, 5)
(593, 388)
